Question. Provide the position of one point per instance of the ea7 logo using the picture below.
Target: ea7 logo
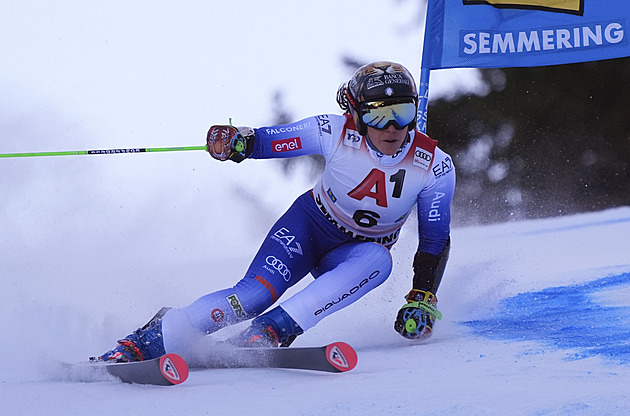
(287, 241)
(558, 6)
(442, 168)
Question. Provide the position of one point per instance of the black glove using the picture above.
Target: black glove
(416, 318)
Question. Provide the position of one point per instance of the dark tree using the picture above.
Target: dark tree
(544, 141)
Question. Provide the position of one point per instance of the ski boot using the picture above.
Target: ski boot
(415, 320)
(143, 344)
(272, 329)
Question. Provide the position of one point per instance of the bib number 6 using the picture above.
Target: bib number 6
(365, 218)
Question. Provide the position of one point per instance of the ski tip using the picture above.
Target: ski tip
(341, 356)
(174, 368)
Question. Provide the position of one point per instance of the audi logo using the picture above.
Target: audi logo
(423, 155)
(280, 267)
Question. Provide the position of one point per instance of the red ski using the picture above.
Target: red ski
(171, 369)
(336, 357)
(168, 370)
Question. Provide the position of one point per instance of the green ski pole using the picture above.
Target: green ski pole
(104, 151)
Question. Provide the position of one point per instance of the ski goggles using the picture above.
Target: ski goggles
(380, 114)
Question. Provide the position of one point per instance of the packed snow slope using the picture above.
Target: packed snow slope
(536, 313)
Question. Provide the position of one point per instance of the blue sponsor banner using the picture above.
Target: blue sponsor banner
(520, 33)
(501, 33)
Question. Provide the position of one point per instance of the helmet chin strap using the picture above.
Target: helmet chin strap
(370, 144)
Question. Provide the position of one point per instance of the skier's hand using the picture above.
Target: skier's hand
(415, 319)
(229, 142)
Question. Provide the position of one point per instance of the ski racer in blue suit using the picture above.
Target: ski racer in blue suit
(378, 167)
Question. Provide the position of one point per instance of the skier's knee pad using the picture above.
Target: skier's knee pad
(383, 257)
(361, 257)
(373, 256)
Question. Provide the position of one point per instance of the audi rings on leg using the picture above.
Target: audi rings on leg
(279, 266)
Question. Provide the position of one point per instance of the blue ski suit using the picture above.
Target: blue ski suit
(340, 231)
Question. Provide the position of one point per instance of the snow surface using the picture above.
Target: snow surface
(536, 313)
(92, 247)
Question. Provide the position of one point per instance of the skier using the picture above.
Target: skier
(378, 167)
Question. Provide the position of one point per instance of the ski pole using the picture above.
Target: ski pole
(104, 151)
